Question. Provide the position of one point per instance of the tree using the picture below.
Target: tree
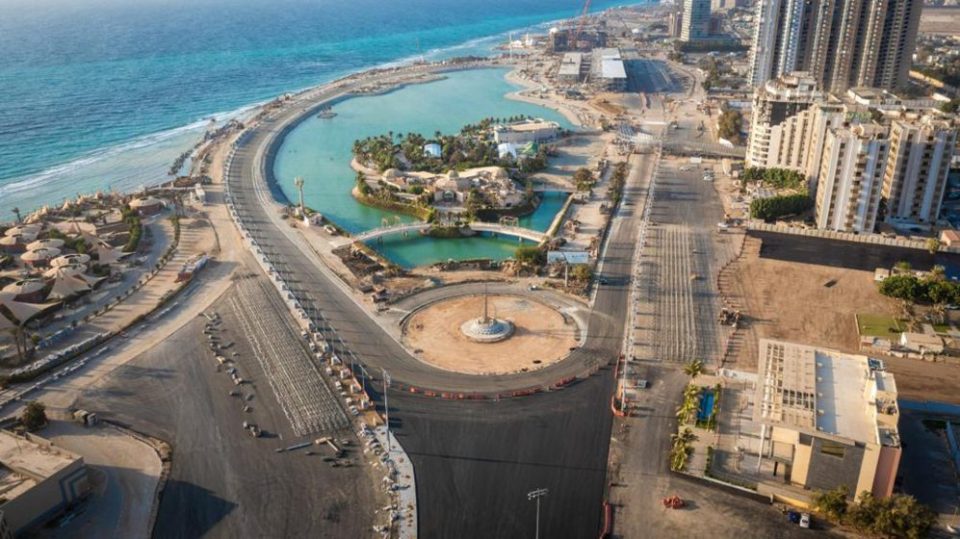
(902, 267)
(932, 245)
(832, 503)
(582, 272)
(895, 516)
(34, 415)
(693, 368)
(730, 124)
(583, 179)
(903, 287)
(528, 255)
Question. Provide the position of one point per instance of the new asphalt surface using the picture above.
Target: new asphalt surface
(223, 482)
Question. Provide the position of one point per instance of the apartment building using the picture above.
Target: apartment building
(695, 24)
(850, 178)
(782, 120)
(918, 163)
(841, 43)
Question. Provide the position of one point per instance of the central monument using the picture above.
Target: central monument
(486, 328)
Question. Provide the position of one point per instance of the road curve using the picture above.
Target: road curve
(335, 309)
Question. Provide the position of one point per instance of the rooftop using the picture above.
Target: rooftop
(613, 69)
(820, 391)
(26, 461)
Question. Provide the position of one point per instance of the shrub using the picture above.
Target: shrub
(772, 208)
(34, 415)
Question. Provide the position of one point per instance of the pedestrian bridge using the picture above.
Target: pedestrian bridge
(493, 228)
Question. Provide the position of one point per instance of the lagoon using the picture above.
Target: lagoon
(319, 150)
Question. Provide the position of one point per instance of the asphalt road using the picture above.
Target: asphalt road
(224, 483)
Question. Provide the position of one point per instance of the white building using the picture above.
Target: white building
(521, 133)
(613, 74)
(695, 24)
(916, 172)
(783, 115)
(432, 149)
(851, 178)
(570, 70)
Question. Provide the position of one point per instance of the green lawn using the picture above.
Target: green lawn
(872, 325)
(942, 328)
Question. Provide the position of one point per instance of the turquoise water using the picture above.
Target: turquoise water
(319, 151)
(417, 250)
(107, 93)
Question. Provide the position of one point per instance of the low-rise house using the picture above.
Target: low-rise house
(921, 344)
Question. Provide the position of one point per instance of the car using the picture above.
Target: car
(603, 280)
(805, 520)
(642, 384)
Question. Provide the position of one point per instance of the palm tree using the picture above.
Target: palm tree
(683, 438)
(16, 211)
(693, 368)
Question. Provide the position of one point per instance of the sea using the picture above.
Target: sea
(105, 94)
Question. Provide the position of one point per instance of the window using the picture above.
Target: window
(834, 449)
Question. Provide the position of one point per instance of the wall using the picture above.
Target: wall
(827, 472)
(47, 498)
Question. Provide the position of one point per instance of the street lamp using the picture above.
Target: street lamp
(536, 495)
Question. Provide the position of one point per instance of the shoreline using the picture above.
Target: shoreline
(27, 182)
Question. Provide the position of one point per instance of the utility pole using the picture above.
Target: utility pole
(386, 406)
(536, 495)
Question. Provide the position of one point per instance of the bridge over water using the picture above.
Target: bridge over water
(493, 228)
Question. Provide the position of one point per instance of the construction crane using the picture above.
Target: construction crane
(581, 22)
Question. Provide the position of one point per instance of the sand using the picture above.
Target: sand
(541, 337)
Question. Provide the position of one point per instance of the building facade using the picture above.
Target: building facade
(38, 481)
(827, 419)
(851, 177)
(782, 119)
(695, 24)
(841, 43)
(916, 171)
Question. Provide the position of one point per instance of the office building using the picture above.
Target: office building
(841, 43)
(780, 129)
(696, 20)
(850, 178)
(917, 166)
(827, 419)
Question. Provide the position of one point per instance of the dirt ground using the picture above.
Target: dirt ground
(542, 336)
(816, 305)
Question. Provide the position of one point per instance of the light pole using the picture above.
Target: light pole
(386, 406)
(536, 495)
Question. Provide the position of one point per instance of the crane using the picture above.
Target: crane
(581, 22)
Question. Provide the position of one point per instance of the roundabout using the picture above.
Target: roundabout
(490, 334)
